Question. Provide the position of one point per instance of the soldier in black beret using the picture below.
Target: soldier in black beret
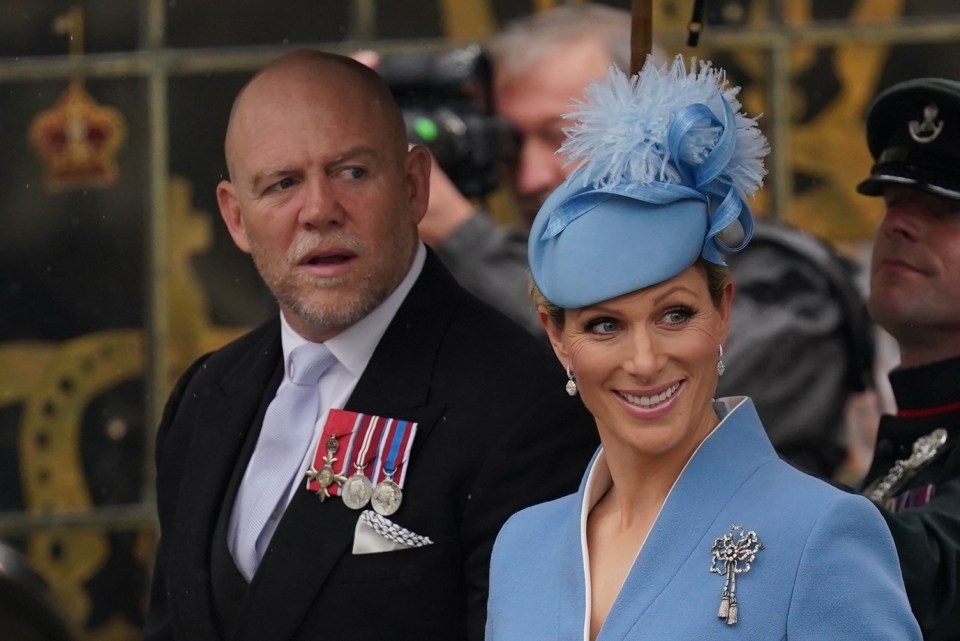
(913, 131)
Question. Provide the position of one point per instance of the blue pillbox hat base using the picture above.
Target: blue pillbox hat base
(621, 246)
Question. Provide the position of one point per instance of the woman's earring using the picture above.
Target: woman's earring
(721, 368)
(571, 384)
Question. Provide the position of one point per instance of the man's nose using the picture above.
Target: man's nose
(321, 206)
(904, 219)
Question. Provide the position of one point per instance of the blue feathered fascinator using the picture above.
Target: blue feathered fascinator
(664, 163)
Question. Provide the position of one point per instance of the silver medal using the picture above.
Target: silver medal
(356, 491)
(386, 498)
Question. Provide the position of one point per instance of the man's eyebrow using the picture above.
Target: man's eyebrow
(267, 175)
(359, 150)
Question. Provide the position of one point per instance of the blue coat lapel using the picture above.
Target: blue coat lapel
(724, 461)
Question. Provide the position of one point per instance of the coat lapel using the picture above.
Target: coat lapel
(219, 429)
(312, 536)
(573, 601)
(685, 526)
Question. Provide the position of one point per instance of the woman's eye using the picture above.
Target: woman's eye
(602, 326)
(678, 315)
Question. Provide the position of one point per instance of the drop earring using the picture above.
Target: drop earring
(721, 368)
(571, 384)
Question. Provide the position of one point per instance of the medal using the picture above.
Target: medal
(339, 436)
(727, 556)
(377, 449)
(325, 476)
(357, 489)
(387, 495)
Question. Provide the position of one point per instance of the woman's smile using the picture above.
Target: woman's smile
(651, 405)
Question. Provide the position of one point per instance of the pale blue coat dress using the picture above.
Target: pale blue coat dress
(828, 570)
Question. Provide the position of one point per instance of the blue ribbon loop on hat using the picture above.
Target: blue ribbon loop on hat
(703, 176)
(582, 202)
(700, 182)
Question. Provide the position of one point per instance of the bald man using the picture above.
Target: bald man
(362, 502)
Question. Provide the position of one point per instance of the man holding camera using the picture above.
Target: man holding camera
(540, 64)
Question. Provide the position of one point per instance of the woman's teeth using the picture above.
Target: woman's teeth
(650, 401)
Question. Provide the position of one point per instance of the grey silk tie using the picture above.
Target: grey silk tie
(284, 438)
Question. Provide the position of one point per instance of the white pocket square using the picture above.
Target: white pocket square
(376, 533)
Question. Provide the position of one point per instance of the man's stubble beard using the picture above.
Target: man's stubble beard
(360, 293)
(355, 302)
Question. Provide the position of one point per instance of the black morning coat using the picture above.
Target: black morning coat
(924, 515)
(496, 433)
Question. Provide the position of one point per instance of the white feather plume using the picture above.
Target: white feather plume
(621, 127)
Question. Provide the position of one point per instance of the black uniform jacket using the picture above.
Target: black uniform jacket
(924, 515)
(496, 433)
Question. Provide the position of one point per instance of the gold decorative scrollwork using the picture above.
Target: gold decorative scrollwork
(55, 383)
(50, 456)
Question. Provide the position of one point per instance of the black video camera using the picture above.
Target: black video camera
(447, 103)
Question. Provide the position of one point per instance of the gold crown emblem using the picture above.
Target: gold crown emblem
(77, 140)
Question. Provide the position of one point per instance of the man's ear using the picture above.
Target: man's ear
(417, 165)
(230, 212)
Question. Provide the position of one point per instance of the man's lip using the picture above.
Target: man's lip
(899, 264)
(330, 256)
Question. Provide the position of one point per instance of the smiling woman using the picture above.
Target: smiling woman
(686, 521)
(646, 364)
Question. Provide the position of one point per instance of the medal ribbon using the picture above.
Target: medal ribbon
(376, 424)
(400, 439)
(364, 430)
(917, 497)
(358, 424)
(339, 424)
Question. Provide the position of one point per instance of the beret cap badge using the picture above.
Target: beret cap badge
(928, 130)
(913, 135)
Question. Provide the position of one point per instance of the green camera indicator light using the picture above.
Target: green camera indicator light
(426, 129)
